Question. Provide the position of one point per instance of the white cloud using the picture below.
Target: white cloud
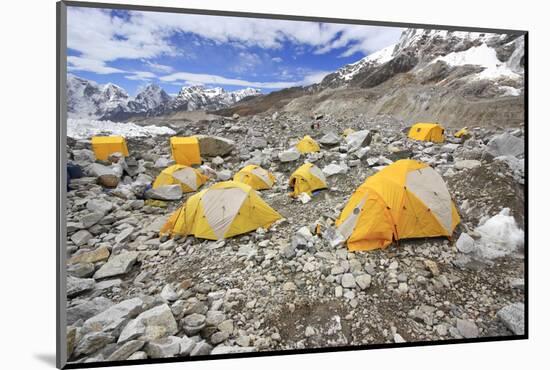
(159, 67)
(277, 59)
(75, 63)
(102, 38)
(246, 62)
(208, 79)
(141, 76)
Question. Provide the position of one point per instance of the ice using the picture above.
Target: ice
(85, 128)
(500, 236)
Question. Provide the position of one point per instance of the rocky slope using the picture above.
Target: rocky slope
(450, 77)
(87, 99)
(133, 295)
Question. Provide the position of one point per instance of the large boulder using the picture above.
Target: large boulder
(115, 316)
(513, 316)
(330, 138)
(165, 192)
(358, 139)
(158, 322)
(212, 146)
(289, 155)
(96, 255)
(505, 144)
(117, 265)
(86, 309)
(76, 286)
(126, 350)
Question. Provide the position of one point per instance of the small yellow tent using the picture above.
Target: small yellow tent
(463, 131)
(307, 178)
(407, 199)
(427, 132)
(185, 150)
(104, 146)
(256, 177)
(347, 132)
(224, 210)
(188, 178)
(307, 145)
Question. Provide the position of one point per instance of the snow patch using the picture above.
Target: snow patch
(483, 56)
(85, 129)
(500, 236)
(380, 57)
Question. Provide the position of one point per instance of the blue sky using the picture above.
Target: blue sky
(134, 48)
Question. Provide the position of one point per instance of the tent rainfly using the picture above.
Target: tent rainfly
(256, 177)
(308, 145)
(407, 199)
(306, 179)
(104, 146)
(427, 132)
(185, 150)
(224, 210)
(188, 178)
(463, 131)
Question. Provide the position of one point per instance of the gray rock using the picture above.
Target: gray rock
(222, 350)
(139, 355)
(243, 341)
(513, 316)
(186, 346)
(219, 337)
(363, 281)
(96, 255)
(358, 139)
(115, 316)
(212, 146)
(330, 138)
(506, 144)
(290, 155)
(87, 309)
(81, 237)
(259, 142)
(99, 206)
(76, 286)
(465, 243)
(193, 323)
(165, 192)
(91, 219)
(92, 342)
(467, 164)
(163, 347)
(97, 170)
(152, 324)
(81, 270)
(467, 328)
(163, 162)
(124, 235)
(126, 350)
(218, 161)
(214, 318)
(348, 281)
(83, 156)
(335, 169)
(117, 265)
(201, 349)
(168, 293)
(223, 175)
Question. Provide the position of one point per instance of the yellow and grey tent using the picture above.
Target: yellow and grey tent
(306, 179)
(188, 178)
(223, 210)
(347, 132)
(463, 131)
(427, 132)
(256, 177)
(104, 146)
(407, 199)
(185, 150)
(307, 145)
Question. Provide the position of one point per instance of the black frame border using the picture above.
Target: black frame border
(61, 72)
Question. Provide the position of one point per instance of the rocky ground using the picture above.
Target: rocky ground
(133, 295)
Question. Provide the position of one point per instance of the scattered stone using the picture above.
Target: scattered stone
(165, 192)
(467, 164)
(117, 265)
(76, 286)
(96, 255)
(155, 323)
(348, 281)
(513, 316)
(193, 323)
(290, 155)
(81, 237)
(363, 281)
(212, 146)
(467, 328)
(465, 243)
(201, 349)
(126, 350)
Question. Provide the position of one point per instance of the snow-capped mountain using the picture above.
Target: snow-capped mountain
(468, 59)
(87, 99)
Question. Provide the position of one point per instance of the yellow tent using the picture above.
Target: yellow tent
(347, 132)
(307, 178)
(185, 150)
(188, 178)
(463, 131)
(307, 145)
(224, 210)
(256, 177)
(104, 146)
(427, 132)
(407, 199)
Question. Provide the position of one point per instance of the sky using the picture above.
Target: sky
(134, 48)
